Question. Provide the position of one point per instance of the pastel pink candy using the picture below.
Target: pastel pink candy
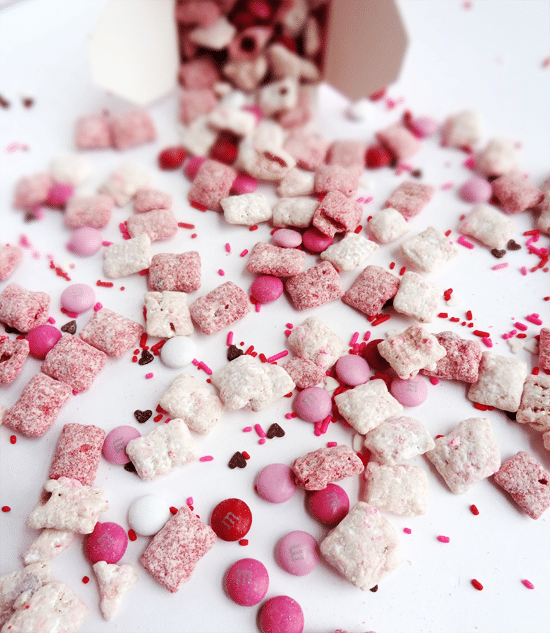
(244, 184)
(298, 553)
(114, 446)
(315, 241)
(287, 238)
(476, 189)
(352, 370)
(266, 288)
(191, 167)
(281, 614)
(275, 483)
(59, 194)
(329, 505)
(410, 393)
(41, 339)
(312, 404)
(247, 582)
(107, 542)
(85, 241)
(423, 126)
(78, 298)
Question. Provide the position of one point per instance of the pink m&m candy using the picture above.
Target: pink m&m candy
(352, 370)
(191, 167)
(287, 238)
(231, 519)
(298, 553)
(410, 393)
(275, 483)
(329, 505)
(114, 446)
(107, 542)
(315, 241)
(85, 241)
(41, 340)
(423, 126)
(476, 189)
(59, 194)
(266, 288)
(247, 582)
(78, 298)
(312, 404)
(281, 614)
(244, 184)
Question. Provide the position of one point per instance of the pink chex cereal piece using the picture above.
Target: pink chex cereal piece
(326, 465)
(200, 72)
(159, 224)
(347, 153)
(12, 357)
(399, 140)
(92, 132)
(131, 129)
(528, 483)
(314, 287)
(462, 359)
(23, 309)
(197, 12)
(175, 271)
(94, 211)
(211, 184)
(31, 191)
(267, 259)
(410, 198)
(78, 453)
(38, 406)
(195, 103)
(73, 361)
(174, 552)
(147, 199)
(111, 333)
(544, 349)
(304, 373)
(337, 214)
(514, 192)
(10, 258)
(307, 148)
(337, 178)
(371, 290)
(220, 307)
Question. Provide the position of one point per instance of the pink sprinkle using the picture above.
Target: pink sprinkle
(72, 315)
(51, 320)
(520, 326)
(228, 247)
(407, 530)
(275, 357)
(331, 444)
(189, 501)
(259, 430)
(443, 539)
(24, 241)
(287, 333)
(261, 440)
(245, 252)
(98, 306)
(289, 416)
(464, 242)
(487, 341)
(354, 339)
(290, 325)
(195, 362)
(447, 185)
(470, 162)
(532, 318)
(325, 424)
(523, 270)
(221, 273)
(247, 429)
(205, 368)
(367, 200)
(149, 375)
(499, 266)
(230, 338)
(317, 428)
(258, 307)
(528, 584)
(367, 336)
(434, 380)
(206, 458)
(106, 243)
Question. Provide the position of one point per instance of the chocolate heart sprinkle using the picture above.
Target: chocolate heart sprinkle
(142, 416)
(498, 253)
(237, 461)
(146, 357)
(130, 467)
(69, 327)
(234, 352)
(513, 246)
(275, 431)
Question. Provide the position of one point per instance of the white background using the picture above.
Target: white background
(489, 58)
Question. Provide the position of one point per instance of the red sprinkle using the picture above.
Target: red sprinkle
(173, 510)
(443, 315)
(243, 253)
(198, 206)
(243, 542)
(469, 315)
(13, 439)
(85, 580)
(6, 509)
(434, 380)
(380, 319)
(474, 510)
(477, 584)
(464, 242)
(482, 334)
(185, 225)
(132, 535)
(104, 284)
(158, 417)
(481, 407)
(245, 455)
(143, 340)
(254, 227)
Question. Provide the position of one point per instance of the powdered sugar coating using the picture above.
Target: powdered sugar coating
(128, 257)
(212, 184)
(49, 544)
(347, 153)
(336, 178)
(195, 102)
(461, 130)
(113, 582)
(304, 373)
(429, 251)
(222, 306)
(94, 211)
(487, 225)
(124, 182)
(296, 182)
(73, 169)
(294, 211)
(326, 465)
(175, 271)
(31, 191)
(534, 408)
(313, 340)
(77, 453)
(515, 193)
(10, 258)
(131, 129)
(400, 489)
(388, 225)
(462, 359)
(167, 314)
(410, 198)
(349, 252)
(497, 158)
(417, 297)
(111, 333)
(23, 309)
(13, 355)
(337, 214)
(371, 290)
(314, 287)
(267, 259)
(148, 199)
(397, 439)
(500, 382)
(544, 349)
(247, 209)
(399, 141)
(307, 148)
(20, 585)
(92, 132)
(159, 224)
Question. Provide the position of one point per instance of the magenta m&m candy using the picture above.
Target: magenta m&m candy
(410, 393)
(85, 241)
(41, 339)
(192, 166)
(247, 582)
(78, 298)
(281, 614)
(352, 370)
(231, 519)
(107, 542)
(298, 553)
(244, 184)
(476, 189)
(315, 241)
(287, 238)
(275, 483)
(114, 446)
(329, 505)
(266, 288)
(312, 404)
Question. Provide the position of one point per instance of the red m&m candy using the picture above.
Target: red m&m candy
(231, 519)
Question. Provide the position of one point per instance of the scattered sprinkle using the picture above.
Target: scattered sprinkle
(477, 584)
(443, 539)
(474, 510)
(243, 542)
(464, 242)
(243, 253)
(206, 458)
(221, 272)
(499, 266)
(85, 580)
(434, 380)
(13, 439)
(149, 375)
(407, 530)
(278, 356)
(6, 509)
(527, 583)
(132, 535)
(228, 247)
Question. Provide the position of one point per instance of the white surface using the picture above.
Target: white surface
(489, 58)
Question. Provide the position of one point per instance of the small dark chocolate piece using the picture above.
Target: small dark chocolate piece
(146, 357)
(234, 352)
(275, 431)
(495, 252)
(142, 416)
(237, 461)
(513, 245)
(69, 327)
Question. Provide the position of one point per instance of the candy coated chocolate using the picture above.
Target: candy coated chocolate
(329, 505)
(231, 519)
(287, 238)
(312, 404)
(297, 553)
(275, 483)
(352, 370)
(315, 241)
(281, 614)
(476, 189)
(114, 447)
(85, 241)
(178, 352)
(78, 298)
(266, 288)
(410, 393)
(107, 542)
(41, 339)
(247, 582)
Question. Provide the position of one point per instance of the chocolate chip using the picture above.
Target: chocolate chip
(146, 357)
(234, 352)
(374, 589)
(69, 327)
(274, 431)
(142, 416)
(495, 252)
(130, 467)
(513, 246)
(237, 461)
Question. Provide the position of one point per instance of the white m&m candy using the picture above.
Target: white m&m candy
(148, 514)
(178, 352)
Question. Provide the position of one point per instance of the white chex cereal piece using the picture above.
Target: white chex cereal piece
(398, 439)
(546, 440)
(128, 257)
(167, 314)
(500, 382)
(315, 341)
(368, 405)
(363, 547)
(297, 182)
(73, 169)
(159, 224)
(429, 250)
(498, 158)
(246, 382)
(417, 297)
(277, 96)
(21, 585)
(534, 408)
(215, 36)
(488, 225)
(193, 402)
(246, 209)
(49, 544)
(388, 225)
(461, 130)
(466, 455)
(164, 449)
(54, 607)
(235, 120)
(197, 137)
(297, 211)
(269, 135)
(124, 182)
(71, 506)
(412, 350)
(113, 582)
(349, 252)
(399, 489)
(263, 161)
